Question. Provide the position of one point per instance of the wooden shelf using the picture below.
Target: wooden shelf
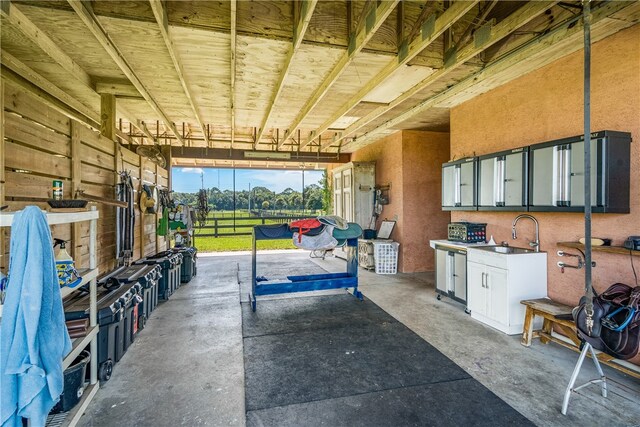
(607, 249)
(79, 344)
(87, 275)
(71, 418)
(53, 218)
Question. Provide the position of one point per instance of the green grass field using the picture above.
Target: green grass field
(238, 243)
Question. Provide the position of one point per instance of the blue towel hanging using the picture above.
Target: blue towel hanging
(33, 335)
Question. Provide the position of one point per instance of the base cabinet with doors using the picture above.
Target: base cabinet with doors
(451, 273)
(496, 283)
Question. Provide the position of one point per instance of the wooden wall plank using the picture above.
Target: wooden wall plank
(148, 177)
(21, 185)
(25, 158)
(21, 102)
(130, 157)
(162, 181)
(95, 140)
(25, 131)
(96, 175)
(97, 158)
(163, 173)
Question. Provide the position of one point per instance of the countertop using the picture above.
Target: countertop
(454, 245)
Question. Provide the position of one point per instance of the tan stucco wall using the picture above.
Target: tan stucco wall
(423, 154)
(546, 105)
(410, 161)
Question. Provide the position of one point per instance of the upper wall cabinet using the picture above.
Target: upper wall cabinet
(502, 180)
(459, 185)
(557, 173)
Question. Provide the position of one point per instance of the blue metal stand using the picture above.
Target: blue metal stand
(313, 282)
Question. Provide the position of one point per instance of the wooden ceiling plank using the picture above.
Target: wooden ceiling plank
(300, 28)
(531, 50)
(429, 8)
(442, 23)
(92, 23)
(364, 33)
(15, 17)
(160, 13)
(519, 18)
(234, 35)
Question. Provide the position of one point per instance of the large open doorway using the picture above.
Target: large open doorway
(228, 202)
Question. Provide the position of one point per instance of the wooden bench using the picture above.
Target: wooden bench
(548, 310)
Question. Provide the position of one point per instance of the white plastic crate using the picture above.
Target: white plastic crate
(386, 257)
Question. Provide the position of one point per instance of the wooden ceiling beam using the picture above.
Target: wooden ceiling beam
(533, 54)
(160, 13)
(92, 23)
(299, 28)
(430, 32)
(117, 87)
(225, 154)
(366, 29)
(234, 35)
(519, 18)
(12, 63)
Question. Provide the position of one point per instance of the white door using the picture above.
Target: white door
(347, 195)
(497, 292)
(476, 292)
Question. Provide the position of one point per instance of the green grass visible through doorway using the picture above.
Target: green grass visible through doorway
(238, 243)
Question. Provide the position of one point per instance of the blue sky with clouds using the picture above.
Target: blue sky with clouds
(187, 180)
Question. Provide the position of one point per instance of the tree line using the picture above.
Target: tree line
(260, 198)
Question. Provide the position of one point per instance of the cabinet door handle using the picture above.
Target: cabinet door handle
(482, 281)
(486, 280)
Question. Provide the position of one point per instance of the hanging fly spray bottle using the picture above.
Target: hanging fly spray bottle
(67, 273)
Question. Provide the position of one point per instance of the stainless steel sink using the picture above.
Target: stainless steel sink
(509, 250)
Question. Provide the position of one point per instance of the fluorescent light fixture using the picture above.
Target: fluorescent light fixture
(269, 155)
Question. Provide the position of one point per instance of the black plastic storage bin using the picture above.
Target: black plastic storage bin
(73, 383)
(114, 305)
(147, 276)
(170, 263)
(188, 269)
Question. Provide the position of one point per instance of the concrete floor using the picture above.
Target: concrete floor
(186, 367)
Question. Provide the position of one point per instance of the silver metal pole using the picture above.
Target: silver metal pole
(586, 13)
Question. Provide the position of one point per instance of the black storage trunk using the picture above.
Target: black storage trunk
(147, 276)
(188, 269)
(170, 263)
(115, 319)
(73, 384)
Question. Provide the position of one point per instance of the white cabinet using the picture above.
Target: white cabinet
(353, 190)
(459, 184)
(496, 283)
(502, 180)
(451, 273)
(488, 292)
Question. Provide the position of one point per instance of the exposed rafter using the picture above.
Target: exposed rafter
(364, 33)
(519, 18)
(160, 14)
(533, 55)
(234, 35)
(299, 28)
(92, 23)
(30, 31)
(429, 33)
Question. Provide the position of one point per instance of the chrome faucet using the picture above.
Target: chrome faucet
(536, 243)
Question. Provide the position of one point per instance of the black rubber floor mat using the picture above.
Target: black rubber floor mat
(453, 403)
(294, 315)
(320, 360)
